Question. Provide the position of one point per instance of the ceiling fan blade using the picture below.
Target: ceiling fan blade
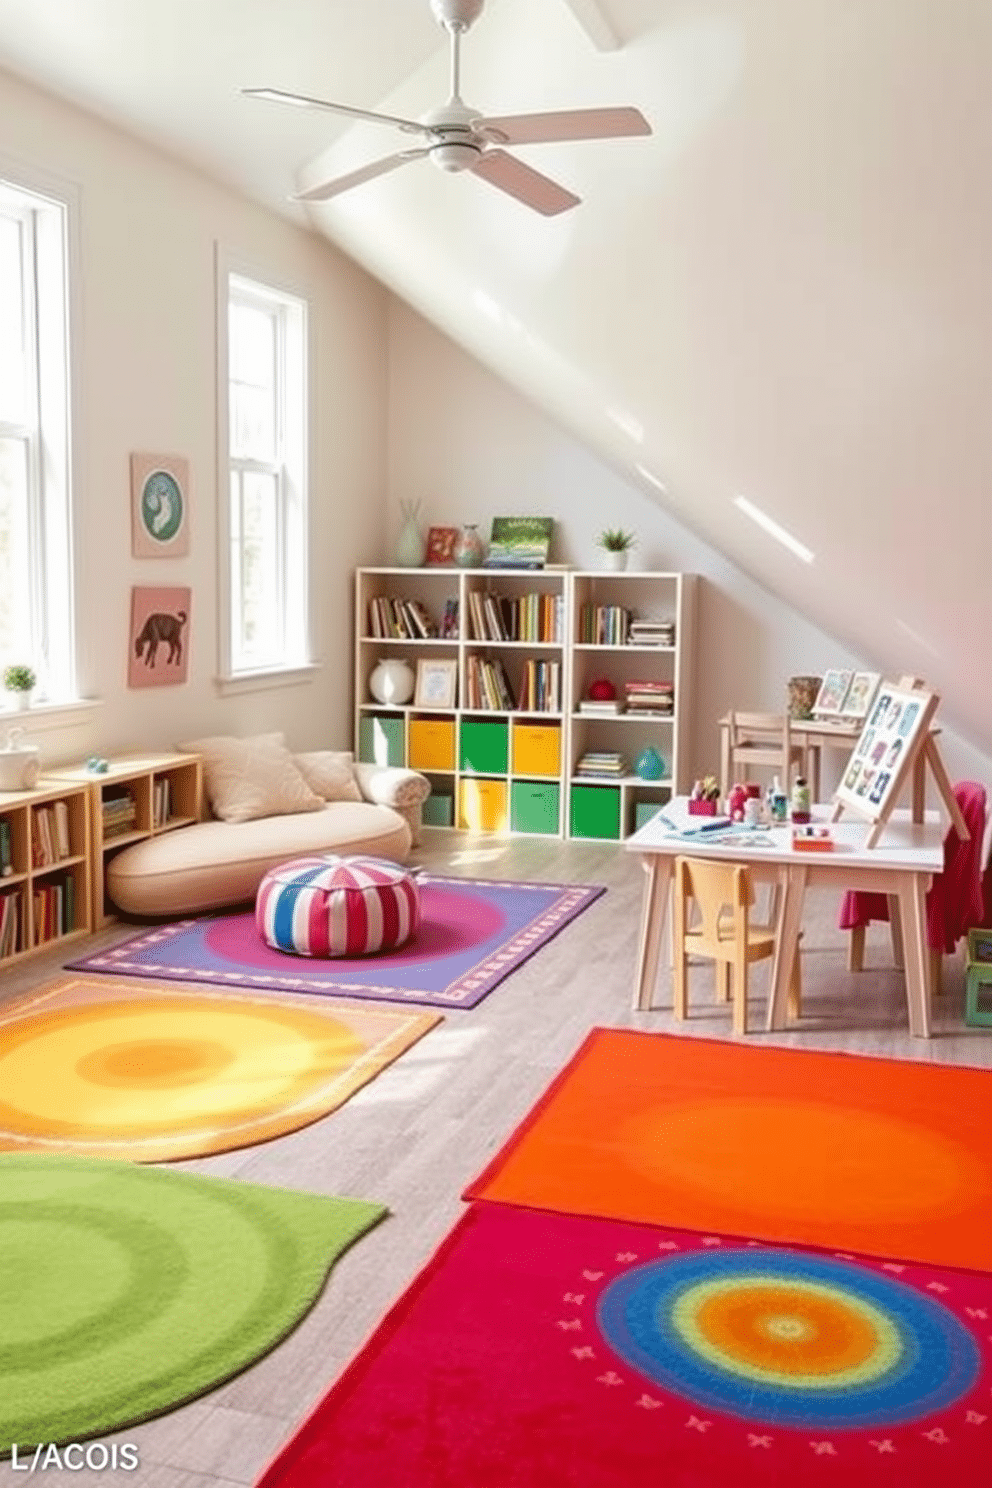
(327, 189)
(301, 100)
(572, 124)
(526, 184)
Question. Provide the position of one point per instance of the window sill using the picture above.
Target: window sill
(263, 680)
(45, 717)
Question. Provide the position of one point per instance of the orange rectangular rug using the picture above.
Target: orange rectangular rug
(883, 1157)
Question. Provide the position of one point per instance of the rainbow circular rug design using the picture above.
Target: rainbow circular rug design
(105, 1070)
(126, 1290)
(791, 1339)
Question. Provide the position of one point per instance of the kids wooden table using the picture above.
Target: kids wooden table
(903, 863)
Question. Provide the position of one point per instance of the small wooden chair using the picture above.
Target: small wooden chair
(763, 740)
(722, 893)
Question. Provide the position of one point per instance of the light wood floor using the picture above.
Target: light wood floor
(428, 1124)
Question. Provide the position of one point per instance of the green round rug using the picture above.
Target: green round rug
(126, 1290)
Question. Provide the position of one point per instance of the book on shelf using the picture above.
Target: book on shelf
(6, 848)
(488, 686)
(540, 687)
(449, 620)
(119, 814)
(652, 632)
(9, 924)
(519, 542)
(600, 707)
(602, 762)
(60, 811)
(162, 801)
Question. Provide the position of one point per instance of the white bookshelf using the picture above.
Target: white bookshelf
(513, 769)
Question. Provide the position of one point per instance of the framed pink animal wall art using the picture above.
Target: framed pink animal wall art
(158, 653)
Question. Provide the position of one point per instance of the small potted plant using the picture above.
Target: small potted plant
(20, 680)
(616, 544)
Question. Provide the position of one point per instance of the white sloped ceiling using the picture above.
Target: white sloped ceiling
(782, 295)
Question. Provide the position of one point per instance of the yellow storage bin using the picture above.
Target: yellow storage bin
(432, 744)
(482, 806)
(537, 749)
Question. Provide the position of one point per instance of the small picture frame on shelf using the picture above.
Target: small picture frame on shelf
(861, 694)
(833, 690)
(441, 547)
(437, 684)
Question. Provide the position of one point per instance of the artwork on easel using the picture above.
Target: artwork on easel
(888, 743)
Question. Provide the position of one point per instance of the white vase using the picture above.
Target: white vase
(410, 545)
(22, 701)
(615, 561)
(392, 681)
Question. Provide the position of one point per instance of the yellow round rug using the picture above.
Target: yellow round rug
(88, 1067)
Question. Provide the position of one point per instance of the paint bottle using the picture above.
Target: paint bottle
(800, 800)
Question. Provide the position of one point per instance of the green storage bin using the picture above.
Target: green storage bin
(534, 806)
(380, 739)
(438, 811)
(484, 746)
(595, 811)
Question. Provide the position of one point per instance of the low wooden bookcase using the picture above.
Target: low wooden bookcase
(138, 796)
(45, 862)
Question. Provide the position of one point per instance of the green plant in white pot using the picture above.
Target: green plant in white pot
(20, 680)
(616, 544)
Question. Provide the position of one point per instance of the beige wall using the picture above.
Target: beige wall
(145, 362)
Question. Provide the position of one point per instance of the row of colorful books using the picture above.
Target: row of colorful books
(53, 906)
(401, 619)
(540, 687)
(119, 814)
(523, 617)
(488, 686)
(604, 625)
(50, 834)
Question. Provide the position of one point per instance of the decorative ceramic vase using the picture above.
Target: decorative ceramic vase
(411, 547)
(469, 551)
(392, 681)
(649, 764)
(22, 701)
(615, 559)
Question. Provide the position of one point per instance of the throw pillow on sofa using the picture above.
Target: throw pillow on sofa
(330, 773)
(249, 778)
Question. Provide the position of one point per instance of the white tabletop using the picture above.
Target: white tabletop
(904, 844)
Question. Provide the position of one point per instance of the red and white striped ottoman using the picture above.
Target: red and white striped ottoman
(329, 906)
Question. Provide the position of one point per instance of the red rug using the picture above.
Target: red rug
(551, 1351)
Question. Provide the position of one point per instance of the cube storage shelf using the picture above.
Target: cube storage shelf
(44, 868)
(538, 639)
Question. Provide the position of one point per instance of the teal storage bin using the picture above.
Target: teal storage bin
(534, 806)
(438, 811)
(381, 739)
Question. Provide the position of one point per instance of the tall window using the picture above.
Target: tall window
(267, 517)
(36, 610)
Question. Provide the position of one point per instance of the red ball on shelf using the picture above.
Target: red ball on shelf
(602, 690)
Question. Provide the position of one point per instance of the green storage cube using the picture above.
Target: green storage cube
(484, 746)
(534, 806)
(438, 811)
(595, 811)
(380, 739)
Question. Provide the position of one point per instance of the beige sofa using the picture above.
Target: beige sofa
(266, 806)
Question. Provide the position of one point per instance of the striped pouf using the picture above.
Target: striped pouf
(330, 906)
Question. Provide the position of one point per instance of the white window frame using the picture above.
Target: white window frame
(48, 214)
(293, 653)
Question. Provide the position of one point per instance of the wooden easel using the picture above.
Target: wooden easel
(920, 755)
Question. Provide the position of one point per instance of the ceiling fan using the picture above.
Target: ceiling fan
(457, 138)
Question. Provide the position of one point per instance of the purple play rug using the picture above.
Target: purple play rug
(472, 934)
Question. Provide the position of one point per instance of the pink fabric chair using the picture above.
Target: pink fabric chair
(954, 901)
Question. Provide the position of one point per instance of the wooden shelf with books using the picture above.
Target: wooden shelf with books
(137, 796)
(45, 853)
